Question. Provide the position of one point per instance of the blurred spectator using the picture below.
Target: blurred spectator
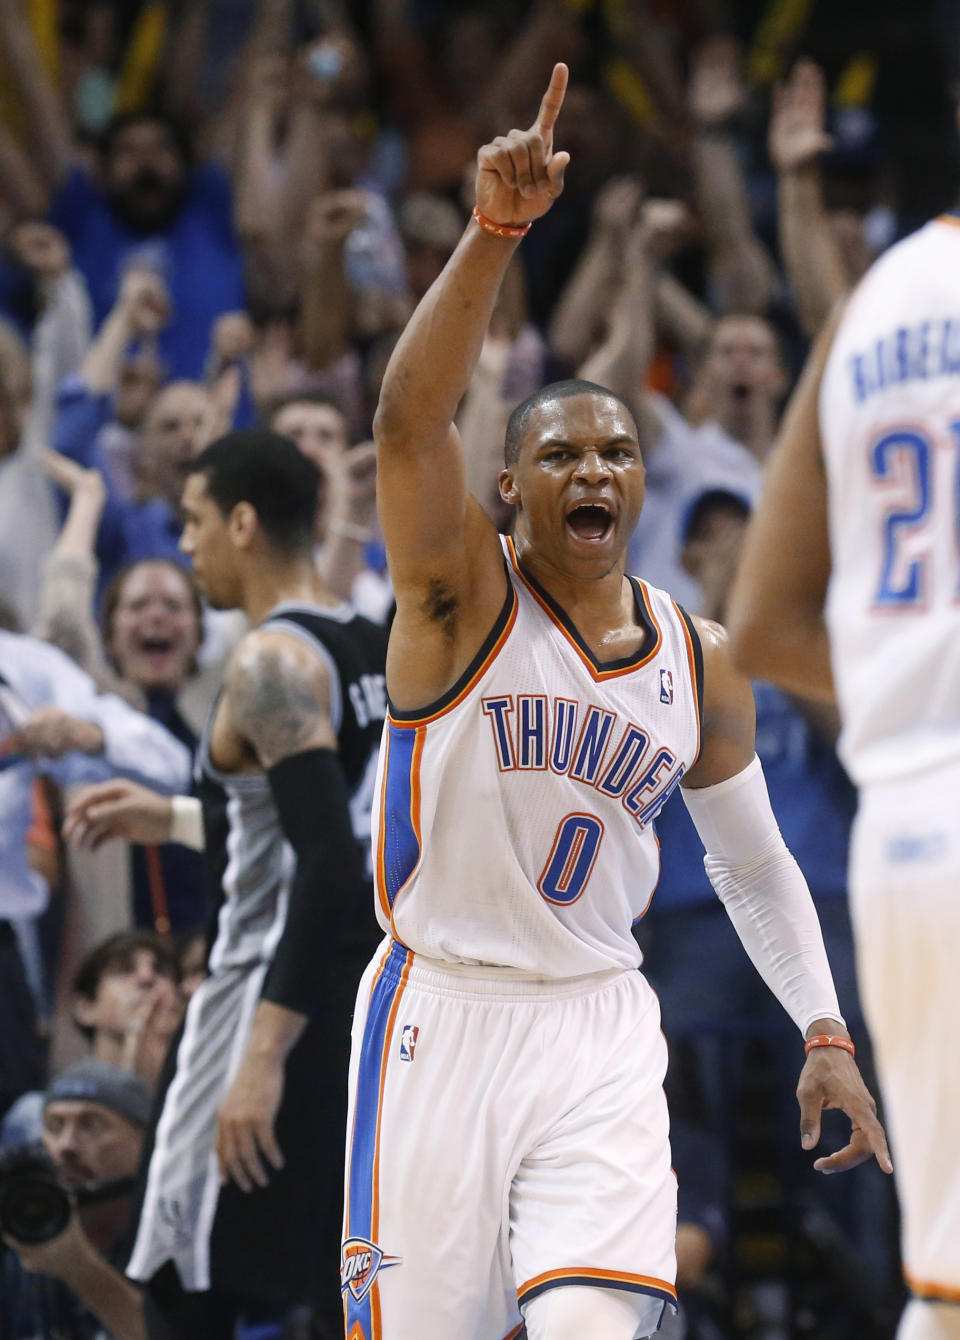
(149, 208)
(127, 1002)
(145, 472)
(817, 268)
(94, 1117)
(53, 722)
(350, 556)
(28, 382)
(733, 406)
(146, 651)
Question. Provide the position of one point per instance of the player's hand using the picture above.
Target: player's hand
(830, 1079)
(245, 1122)
(518, 175)
(117, 809)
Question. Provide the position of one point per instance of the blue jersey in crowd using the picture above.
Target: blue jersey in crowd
(197, 256)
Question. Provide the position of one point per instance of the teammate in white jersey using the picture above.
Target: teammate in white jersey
(508, 1158)
(850, 588)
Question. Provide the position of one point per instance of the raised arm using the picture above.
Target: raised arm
(741, 268)
(444, 554)
(811, 254)
(49, 128)
(579, 316)
(775, 614)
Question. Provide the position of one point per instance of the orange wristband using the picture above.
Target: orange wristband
(829, 1040)
(499, 229)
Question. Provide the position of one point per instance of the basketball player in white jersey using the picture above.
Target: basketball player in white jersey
(508, 1157)
(850, 588)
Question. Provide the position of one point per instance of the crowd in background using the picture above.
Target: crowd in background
(221, 212)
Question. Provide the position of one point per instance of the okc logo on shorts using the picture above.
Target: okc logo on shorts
(408, 1041)
(360, 1263)
(666, 686)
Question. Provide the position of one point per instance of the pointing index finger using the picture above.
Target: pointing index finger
(552, 100)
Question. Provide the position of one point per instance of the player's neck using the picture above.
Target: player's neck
(594, 601)
(294, 582)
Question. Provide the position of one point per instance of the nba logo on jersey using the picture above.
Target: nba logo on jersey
(666, 686)
(360, 1262)
(408, 1041)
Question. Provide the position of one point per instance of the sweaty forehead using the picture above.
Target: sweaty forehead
(579, 419)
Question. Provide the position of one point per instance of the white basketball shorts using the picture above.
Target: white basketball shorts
(905, 901)
(504, 1138)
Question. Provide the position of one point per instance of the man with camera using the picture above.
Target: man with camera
(65, 1211)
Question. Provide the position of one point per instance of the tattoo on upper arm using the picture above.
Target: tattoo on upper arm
(279, 701)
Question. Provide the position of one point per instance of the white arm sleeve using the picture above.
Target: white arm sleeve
(764, 893)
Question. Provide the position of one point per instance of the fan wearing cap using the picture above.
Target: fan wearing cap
(94, 1119)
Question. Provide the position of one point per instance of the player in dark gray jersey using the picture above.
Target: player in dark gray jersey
(244, 1188)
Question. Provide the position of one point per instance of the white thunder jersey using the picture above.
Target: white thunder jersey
(513, 819)
(890, 424)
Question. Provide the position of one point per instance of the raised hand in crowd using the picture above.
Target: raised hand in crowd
(328, 302)
(580, 317)
(797, 133)
(813, 257)
(741, 270)
(144, 301)
(662, 228)
(331, 219)
(142, 310)
(234, 338)
(716, 92)
(42, 248)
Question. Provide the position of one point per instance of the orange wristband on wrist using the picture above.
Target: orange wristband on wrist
(499, 229)
(829, 1040)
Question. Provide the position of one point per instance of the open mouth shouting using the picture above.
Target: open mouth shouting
(592, 521)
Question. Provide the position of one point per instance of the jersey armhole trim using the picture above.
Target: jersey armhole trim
(487, 654)
(695, 663)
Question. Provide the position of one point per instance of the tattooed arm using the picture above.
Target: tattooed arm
(277, 706)
(278, 698)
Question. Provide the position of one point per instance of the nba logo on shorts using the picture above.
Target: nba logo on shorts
(666, 686)
(408, 1041)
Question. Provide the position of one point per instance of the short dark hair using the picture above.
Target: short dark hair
(709, 502)
(271, 473)
(281, 402)
(519, 422)
(111, 597)
(115, 954)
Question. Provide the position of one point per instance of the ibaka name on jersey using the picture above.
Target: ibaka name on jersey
(587, 743)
